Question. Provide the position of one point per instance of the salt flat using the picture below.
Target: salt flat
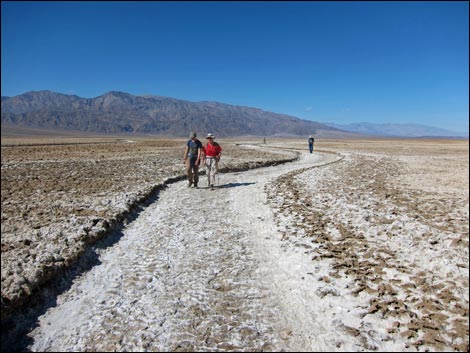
(347, 249)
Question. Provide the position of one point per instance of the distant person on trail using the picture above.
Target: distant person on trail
(311, 140)
(212, 153)
(192, 159)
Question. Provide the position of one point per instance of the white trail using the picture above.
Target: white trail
(198, 270)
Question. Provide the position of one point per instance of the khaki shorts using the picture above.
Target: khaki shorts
(212, 166)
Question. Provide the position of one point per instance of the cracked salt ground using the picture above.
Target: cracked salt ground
(197, 270)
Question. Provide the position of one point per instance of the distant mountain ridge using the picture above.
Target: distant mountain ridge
(123, 113)
(397, 130)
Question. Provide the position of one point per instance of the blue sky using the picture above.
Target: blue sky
(342, 62)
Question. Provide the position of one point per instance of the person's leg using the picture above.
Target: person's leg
(189, 171)
(211, 172)
(196, 175)
(208, 172)
(213, 178)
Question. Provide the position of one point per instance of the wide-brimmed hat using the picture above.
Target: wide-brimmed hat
(210, 136)
(192, 134)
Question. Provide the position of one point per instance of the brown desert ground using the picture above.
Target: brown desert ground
(386, 222)
(59, 195)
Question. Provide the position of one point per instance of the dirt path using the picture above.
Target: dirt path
(199, 269)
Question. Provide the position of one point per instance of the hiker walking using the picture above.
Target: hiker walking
(192, 158)
(311, 140)
(211, 152)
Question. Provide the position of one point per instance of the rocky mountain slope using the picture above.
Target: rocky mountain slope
(119, 112)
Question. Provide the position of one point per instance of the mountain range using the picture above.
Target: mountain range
(123, 113)
(397, 130)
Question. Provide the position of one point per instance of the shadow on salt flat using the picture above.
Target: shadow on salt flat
(234, 185)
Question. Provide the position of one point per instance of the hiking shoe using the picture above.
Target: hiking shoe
(195, 185)
(189, 184)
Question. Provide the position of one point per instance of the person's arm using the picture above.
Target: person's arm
(220, 153)
(199, 155)
(203, 152)
(186, 150)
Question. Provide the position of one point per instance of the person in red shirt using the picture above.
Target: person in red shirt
(211, 153)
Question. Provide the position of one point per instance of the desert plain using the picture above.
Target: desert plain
(361, 246)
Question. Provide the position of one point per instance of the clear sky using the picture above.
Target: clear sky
(342, 62)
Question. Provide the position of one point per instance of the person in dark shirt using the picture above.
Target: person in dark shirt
(311, 140)
(192, 158)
